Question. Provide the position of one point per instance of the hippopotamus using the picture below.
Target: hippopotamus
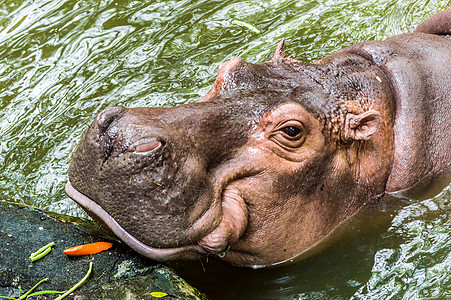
(278, 156)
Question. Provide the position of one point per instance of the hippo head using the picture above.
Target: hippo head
(260, 171)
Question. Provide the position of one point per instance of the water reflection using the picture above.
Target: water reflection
(63, 61)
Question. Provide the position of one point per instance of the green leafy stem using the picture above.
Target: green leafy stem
(64, 293)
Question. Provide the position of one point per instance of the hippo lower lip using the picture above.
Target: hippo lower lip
(218, 241)
(160, 254)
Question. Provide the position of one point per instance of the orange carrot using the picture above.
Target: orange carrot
(92, 248)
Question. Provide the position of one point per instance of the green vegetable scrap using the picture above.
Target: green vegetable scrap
(158, 294)
(41, 252)
(241, 23)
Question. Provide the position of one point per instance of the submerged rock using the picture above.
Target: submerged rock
(118, 273)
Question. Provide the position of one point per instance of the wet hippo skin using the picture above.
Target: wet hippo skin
(277, 156)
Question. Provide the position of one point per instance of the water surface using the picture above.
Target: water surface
(62, 62)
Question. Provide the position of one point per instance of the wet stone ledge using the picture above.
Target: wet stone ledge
(118, 273)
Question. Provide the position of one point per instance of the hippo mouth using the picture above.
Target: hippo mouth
(218, 241)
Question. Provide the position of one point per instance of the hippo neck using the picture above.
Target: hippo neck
(421, 84)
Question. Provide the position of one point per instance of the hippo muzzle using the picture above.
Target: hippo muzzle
(145, 175)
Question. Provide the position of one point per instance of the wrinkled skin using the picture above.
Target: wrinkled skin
(277, 156)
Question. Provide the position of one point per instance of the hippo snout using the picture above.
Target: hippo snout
(135, 169)
(132, 171)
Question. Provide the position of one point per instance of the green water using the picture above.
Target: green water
(62, 62)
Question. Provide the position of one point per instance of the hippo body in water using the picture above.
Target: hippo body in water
(277, 156)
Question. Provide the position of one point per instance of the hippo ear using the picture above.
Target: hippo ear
(362, 126)
(280, 53)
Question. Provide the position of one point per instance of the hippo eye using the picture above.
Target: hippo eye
(292, 131)
(289, 134)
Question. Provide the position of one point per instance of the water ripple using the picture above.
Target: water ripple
(63, 61)
(419, 266)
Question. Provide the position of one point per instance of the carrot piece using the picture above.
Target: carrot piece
(92, 248)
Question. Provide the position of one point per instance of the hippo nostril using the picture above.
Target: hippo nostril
(106, 117)
(146, 145)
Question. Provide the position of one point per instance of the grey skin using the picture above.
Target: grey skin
(278, 156)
